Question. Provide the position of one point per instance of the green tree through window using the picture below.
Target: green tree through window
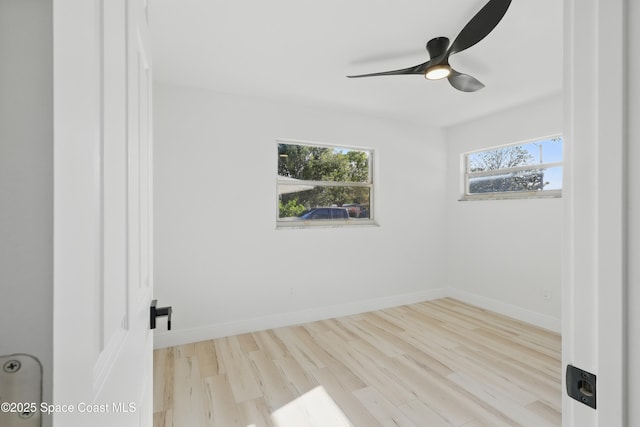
(530, 167)
(312, 176)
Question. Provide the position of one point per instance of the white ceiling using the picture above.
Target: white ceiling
(301, 51)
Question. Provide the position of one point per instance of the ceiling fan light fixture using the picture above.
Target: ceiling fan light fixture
(439, 49)
(438, 72)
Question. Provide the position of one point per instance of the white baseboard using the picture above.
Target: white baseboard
(185, 336)
(524, 315)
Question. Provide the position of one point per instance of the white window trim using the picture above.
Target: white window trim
(353, 222)
(537, 194)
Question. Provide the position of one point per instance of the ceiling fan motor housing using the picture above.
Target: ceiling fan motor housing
(437, 46)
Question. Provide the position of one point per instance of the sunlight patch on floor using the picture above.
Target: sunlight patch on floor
(314, 408)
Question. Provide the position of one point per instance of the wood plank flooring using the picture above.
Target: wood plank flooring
(441, 363)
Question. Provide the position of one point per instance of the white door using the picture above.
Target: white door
(103, 281)
(595, 228)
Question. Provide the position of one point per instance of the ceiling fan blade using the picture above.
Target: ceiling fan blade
(464, 82)
(416, 69)
(480, 25)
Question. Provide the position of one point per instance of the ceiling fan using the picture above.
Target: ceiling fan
(437, 67)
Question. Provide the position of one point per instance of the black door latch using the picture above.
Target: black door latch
(159, 312)
(581, 385)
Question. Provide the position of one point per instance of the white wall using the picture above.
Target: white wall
(26, 173)
(220, 262)
(503, 254)
(633, 160)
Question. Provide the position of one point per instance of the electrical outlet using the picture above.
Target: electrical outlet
(546, 294)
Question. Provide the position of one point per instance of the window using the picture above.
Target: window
(529, 169)
(323, 185)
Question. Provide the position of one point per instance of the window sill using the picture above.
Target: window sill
(550, 194)
(311, 224)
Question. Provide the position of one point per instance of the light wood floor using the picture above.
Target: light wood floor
(438, 363)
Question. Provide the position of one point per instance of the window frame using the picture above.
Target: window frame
(535, 194)
(331, 223)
